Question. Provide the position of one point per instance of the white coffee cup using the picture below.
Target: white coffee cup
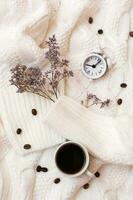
(72, 159)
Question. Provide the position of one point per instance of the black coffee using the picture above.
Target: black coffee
(70, 158)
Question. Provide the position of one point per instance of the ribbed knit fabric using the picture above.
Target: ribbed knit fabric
(84, 126)
(17, 114)
(106, 132)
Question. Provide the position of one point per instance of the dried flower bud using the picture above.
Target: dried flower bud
(71, 73)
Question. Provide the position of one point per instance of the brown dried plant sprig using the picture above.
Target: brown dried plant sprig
(92, 99)
(44, 84)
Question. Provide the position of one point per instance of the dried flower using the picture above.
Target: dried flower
(92, 99)
(47, 84)
(105, 103)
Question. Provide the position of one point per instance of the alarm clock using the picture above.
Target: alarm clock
(95, 66)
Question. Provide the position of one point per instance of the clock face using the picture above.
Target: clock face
(95, 66)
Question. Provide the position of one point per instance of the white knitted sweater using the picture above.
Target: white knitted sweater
(107, 133)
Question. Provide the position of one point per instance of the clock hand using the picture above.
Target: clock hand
(93, 66)
(97, 63)
(89, 65)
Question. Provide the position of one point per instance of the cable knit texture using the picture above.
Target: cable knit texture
(107, 133)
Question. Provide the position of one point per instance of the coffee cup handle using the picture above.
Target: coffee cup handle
(89, 174)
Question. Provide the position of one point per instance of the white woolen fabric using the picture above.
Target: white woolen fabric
(24, 27)
(18, 114)
(83, 126)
